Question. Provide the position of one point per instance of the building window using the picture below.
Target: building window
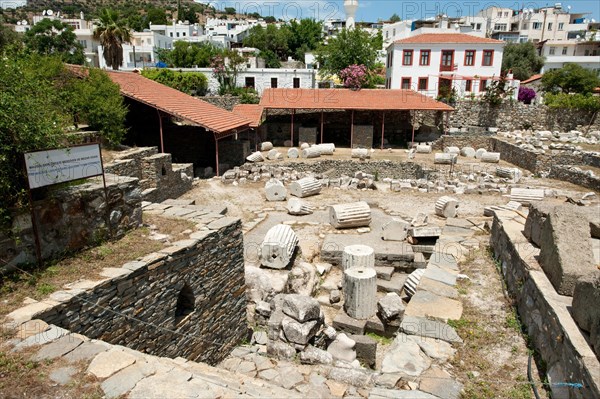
(550, 26)
(249, 82)
(423, 82)
(407, 57)
(469, 57)
(405, 84)
(394, 34)
(488, 57)
(177, 34)
(273, 83)
(525, 26)
(425, 55)
(296, 83)
(171, 34)
(83, 43)
(183, 34)
(478, 27)
(483, 85)
(387, 34)
(552, 51)
(537, 25)
(447, 61)
(561, 26)
(500, 27)
(468, 85)
(564, 50)
(505, 14)
(499, 14)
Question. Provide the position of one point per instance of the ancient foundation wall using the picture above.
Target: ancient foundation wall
(71, 218)
(337, 168)
(575, 175)
(187, 300)
(545, 315)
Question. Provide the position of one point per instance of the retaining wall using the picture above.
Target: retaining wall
(575, 175)
(187, 300)
(71, 218)
(545, 314)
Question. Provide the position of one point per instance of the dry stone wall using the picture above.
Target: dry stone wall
(72, 218)
(336, 168)
(187, 300)
(575, 175)
(518, 116)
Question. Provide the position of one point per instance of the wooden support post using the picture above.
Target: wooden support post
(321, 127)
(162, 143)
(352, 131)
(382, 128)
(412, 122)
(292, 129)
(217, 155)
(447, 123)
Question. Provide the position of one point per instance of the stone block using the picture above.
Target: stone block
(586, 307)
(391, 307)
(429, 305)
(345, 323)
(566, 252)
(538, 212)
(301, 308)
(385, 272)
(366, 349)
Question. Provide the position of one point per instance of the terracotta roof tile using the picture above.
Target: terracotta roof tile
(365, 99)
(431, 38)
(532, 79)
(176, 103)
(252, 112)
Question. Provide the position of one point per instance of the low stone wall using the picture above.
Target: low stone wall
(545, 314)
(460, 141)
(518, 116)
(225, 102)
(336, 168)
(187, 300)
(160, 179)
(575, 175)
(72, 218)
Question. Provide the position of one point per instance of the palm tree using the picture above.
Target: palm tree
(112, 32)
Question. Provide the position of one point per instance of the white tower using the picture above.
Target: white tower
(350, 6)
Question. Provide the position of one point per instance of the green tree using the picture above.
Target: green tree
(9, 39)
(271, 38)
(156, 16)
(112, 32)
(271, 60)
(193, 83)
(188, 55)
(29, 120)
(522, 59)
(230, 10)
(395, 18)
(270, 19)
(52, 37)
(94, 99)
(350, 47)
(305, 36)
(571, 78)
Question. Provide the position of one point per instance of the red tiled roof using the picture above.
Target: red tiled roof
(365, 99)
(252, 112)
(176, 103)
(430, 38)
(532, 79)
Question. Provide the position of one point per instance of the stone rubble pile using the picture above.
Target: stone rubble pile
(542, 141)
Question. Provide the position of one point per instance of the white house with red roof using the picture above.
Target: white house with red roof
(435, 63)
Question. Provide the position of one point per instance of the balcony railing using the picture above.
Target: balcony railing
(446, 68)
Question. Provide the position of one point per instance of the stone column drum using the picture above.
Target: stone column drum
(446, 207)
(424, 149)
(356, 214)
(325, 148)
(361, 153)
(490, 157)
(255, 157)
(305, 187)
(310, 153)
(358, 256)
(360, 292)
(275, 190)
(278, 247)
(445, 158)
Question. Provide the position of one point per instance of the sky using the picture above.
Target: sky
(373, 10)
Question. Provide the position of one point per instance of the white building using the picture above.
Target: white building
(179, 30)
(560, 52)
(141, 51)
(12, 4)
(261, 79)
(434, 62)
(233, 30)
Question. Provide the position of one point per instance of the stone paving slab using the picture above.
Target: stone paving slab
(438, 274)
(58, 348)
(382, 393)
(437, 288)
(87, 350)
(438, 382)
(107, 363)
(423, 327)
(51, 334)
(395, 284)
(429, 305)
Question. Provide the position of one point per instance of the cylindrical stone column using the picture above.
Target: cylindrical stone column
(360, 153)
(446, 207)
(424, 149)
(305, 187)
(297, 207)
(452, 150)
(444, 158)
(293, 153)
(514, 174)
(304, 146)
(480, 152)
(360, 292)
(412, 282)
(278, 247)
(358, 256)
(255, 157)
(273, 155)
(325, 149)
(356, 214)
(490, 157)
(266, 146)
(468, 152)
(310, 153)
(275, 190)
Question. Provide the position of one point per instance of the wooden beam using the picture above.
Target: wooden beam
(352, 131)
(322, 126)
(217, 155)
(162, 143)
(292, 129)
(382, 128)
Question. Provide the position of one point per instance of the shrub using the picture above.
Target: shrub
(192, 83)
(584, 102)
(526, 94)
(354, 76)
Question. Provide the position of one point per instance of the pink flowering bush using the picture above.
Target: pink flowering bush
(526, 94)
(354, 76)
